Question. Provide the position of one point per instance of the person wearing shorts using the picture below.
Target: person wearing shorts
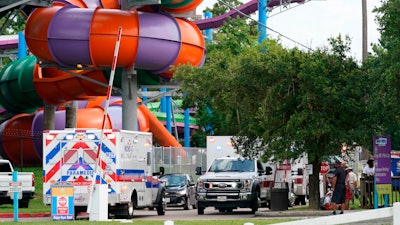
(339, 188)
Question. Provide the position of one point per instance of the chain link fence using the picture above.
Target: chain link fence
(179, 159)
(22, 147)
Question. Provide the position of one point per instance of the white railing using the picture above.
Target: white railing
(364, 215)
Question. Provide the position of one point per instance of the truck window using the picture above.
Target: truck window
(5, 167)
(70, 157)
(226, 165)
(89, 157)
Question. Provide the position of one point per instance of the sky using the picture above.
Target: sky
(313, 22)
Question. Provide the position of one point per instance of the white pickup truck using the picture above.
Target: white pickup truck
(234, 182)
(25, 184)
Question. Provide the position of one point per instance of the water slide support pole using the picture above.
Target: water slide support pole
(129, 95)
(174, 122)
(168, 113)
(70, 114)
(144, 97)
(262, 18)
(163, 104)
(186, 129)
(208, 32)
(21, 45)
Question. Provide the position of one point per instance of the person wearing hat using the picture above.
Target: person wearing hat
(368, 173)
(369, 169)
(327, 200)
(339, 188)
(352, 181)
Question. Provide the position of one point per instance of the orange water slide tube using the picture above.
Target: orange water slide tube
(69, 35)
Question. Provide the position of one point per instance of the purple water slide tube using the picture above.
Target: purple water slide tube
(149, 41)
(114, 114)
(245, 9)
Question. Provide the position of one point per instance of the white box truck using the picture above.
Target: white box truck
(70, 156)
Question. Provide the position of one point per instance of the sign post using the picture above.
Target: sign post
(383, 180)
(15, 190)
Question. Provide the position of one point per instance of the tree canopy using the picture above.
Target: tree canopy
(283, 101)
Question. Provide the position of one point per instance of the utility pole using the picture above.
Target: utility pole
(364, 31)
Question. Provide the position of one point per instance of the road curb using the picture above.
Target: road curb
(293, 213)
(25, 215)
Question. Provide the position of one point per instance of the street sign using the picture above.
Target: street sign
(15, 187)
(324, 168)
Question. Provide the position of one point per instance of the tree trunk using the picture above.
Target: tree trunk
(314, 185)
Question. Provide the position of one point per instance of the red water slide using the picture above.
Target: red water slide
(21, 135)
(82, 34)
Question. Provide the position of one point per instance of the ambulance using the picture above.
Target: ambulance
(124, 162)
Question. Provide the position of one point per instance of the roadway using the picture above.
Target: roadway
(212, 214)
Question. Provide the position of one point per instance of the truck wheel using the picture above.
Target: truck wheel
(200, 211)
(254, 204)
(129, 210)
(162, 205)
(300, 199)
(23, 203)
(186, 205)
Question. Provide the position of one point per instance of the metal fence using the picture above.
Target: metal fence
(179, 159)
(22, 147)
(367, 193)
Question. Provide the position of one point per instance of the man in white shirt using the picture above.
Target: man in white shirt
(368, 173)
(369, 169)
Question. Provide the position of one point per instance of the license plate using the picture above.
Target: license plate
(167, 200)
(221, 198)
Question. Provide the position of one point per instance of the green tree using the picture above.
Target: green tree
(384, 69)
(216, 75)
(313, 102)
(284, 102)
(12, 22)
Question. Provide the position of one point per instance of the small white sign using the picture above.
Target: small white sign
(309, 169)
(15, 189)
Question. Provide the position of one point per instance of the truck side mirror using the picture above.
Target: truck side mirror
(300, 171)
(198, 170)
(268, 170)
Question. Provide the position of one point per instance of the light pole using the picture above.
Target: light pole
(364, 31)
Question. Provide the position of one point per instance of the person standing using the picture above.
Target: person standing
(339, 188)
(369, 169)
(349, 193)
(368, 175)
(352, 178)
